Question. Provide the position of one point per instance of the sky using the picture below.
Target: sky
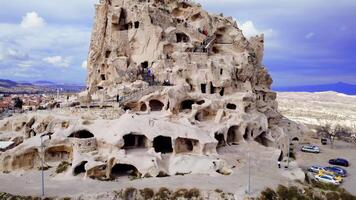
(307, 41)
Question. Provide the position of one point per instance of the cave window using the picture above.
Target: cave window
(103, 78)
(144, 64)
(184, 145)
(232, 135)
(137, 24)
(231, 106)
(120, 170)
(134, 141)
(203, 88)
(186, 105)
(156, 105)
(181, 37)
(163, 144)
(212, 88)
(58, 153)
(220, 138)
(201, 102)
(82, 134)
(143, 107)
(122, 20)
(107, 54)
(246, 134)
(80, 168)
(222, 91)
(100, 88)
(221, 71)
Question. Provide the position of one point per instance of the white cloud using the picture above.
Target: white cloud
(249, 30)
(309, 35)
(32, 20)
(84, 64)
(57, 61)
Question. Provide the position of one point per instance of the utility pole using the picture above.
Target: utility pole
(249, 172)
(42, 162)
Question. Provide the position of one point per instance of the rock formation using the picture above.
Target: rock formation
(187, 83)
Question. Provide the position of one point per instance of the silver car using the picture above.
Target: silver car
(310, 149)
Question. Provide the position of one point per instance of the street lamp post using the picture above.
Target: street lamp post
(42, 163)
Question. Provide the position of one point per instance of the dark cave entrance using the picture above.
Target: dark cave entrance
(163, 144)
(80, 168)
(134, 141)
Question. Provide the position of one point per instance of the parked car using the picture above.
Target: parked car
(338, 170)
(324, 141)
(310, 149)
(339, 161)
(327, 179)
(315, 169)
(332, 174)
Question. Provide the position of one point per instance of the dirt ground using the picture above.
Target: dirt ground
(340, 150)
(264, 173)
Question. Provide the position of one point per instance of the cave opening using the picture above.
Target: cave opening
(82, 134)
(181, 37)
(134, 141)
(80, 168)
(221, 139)
(156, 105)
(232, 135)
(203, 88)
(187, 104)
(163, 144)
(185, 145)
(231, 106)
(120, 170)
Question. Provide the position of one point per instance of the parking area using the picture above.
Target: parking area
(340, 150)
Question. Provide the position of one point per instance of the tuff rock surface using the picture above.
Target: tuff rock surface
(187, 83)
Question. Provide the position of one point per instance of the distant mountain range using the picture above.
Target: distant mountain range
(340, 87)
(9, 86)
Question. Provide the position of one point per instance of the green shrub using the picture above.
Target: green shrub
(332, 196)
(179, 193)
(129, 193)
(163, 194)
(269, 194)
(193, 193)
(62, 167)
(147, 193)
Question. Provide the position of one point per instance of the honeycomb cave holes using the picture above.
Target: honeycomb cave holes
(203, 115)
(156, 105)
(120, 170)
(231, 106)
(143, 107)
(185, 145)
(132, 141)
(233, 137)
(187, 104)
(82, 134)
(182, 38)
(163, 144)
(221, 139)
(80, 168)
(203, 88)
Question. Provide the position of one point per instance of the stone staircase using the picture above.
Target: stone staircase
(139, 94)
(206, 44)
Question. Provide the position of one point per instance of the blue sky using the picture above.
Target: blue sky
(307, 41)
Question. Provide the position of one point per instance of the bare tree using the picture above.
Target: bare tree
(329, 132)
(332, 132)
